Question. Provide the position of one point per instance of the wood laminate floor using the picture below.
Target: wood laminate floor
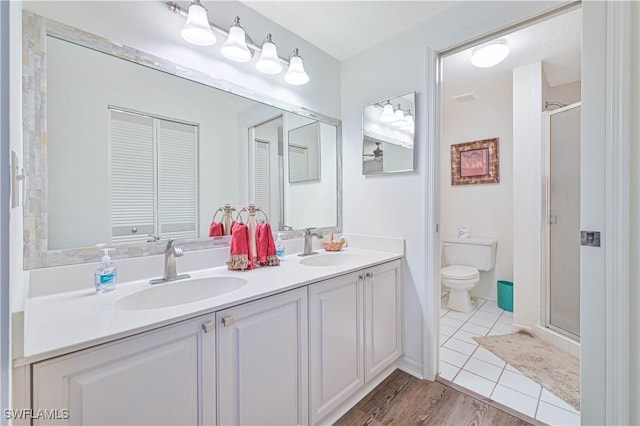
(402, 399)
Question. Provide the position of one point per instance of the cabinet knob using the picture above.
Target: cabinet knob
(209, 326)
(134, 230)
(227, 321)
(361, 277)
(369, 274)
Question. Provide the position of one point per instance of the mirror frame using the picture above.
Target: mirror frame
(35, 29)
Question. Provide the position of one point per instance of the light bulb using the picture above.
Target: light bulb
(235, 47)
(197, 30)
(398, 117)
(269, 63)
(296, 74)
(489, 55)
(387, 115)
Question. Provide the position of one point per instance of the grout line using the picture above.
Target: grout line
(535, 415)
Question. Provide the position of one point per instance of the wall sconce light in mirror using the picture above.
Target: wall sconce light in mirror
(388, 135)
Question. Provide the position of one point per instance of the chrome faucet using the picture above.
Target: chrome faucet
(308, 242)
(170, 274)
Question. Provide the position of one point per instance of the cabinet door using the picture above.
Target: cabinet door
(336, 342)
(263, 361)
(382, 317)
(163, 377)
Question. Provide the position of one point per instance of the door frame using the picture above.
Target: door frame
(605, 357)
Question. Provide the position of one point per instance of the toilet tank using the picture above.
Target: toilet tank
(477, 252)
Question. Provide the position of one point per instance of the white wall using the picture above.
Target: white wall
(396, 205)
(564, 93)
(486, 209)
(634, 299)
(527, 193)
(634, 253)
(82, 83)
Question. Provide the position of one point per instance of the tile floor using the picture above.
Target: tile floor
(467, 364)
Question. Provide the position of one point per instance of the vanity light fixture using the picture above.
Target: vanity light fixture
(387, 115)
(236, 48)
(296, 74)
(269, 63)
(197, 30)
(490, 54)
(408, 121)
(398, 117)
(239, 47)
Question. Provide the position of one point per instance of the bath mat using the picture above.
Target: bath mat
(543, 363)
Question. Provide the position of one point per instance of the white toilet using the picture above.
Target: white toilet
(464, 258)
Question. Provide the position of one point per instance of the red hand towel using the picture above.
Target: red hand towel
(216, 229)
(266, 246)
(241, 257)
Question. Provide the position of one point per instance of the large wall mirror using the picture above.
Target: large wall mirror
(137, 149)
(388, 135)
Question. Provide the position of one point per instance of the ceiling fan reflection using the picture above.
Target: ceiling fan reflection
(377, 153)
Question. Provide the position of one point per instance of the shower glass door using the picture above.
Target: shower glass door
(563, 230)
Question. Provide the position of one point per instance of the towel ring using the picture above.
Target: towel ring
(216, 213)
(239, 218)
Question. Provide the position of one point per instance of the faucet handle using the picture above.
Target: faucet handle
(169, 244)
(307, 231)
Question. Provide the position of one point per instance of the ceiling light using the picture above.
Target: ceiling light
(269, 63)
(490, 54)
(197, 30)
(236, 46)
(296, 74)
(387, 115)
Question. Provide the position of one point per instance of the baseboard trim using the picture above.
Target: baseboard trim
(411, 367)
(490, 402)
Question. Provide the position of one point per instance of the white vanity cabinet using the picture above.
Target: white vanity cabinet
(354, 334)
(382, 317)
(165, 376)
(336, 342)
(263, 361)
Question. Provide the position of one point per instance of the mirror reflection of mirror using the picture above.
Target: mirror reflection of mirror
(389, 135)
(147, 155)
(304, 155)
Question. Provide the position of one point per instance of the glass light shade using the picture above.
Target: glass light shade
(387, 115)
(377, 158)
(490, 54)
(269, 63)
(236, 48)
(398, 118)
(197, 30)
(295, 73)
(409, 124)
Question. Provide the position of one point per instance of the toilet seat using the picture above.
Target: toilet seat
(458, 272)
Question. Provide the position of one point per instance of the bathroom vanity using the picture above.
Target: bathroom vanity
(296, 344)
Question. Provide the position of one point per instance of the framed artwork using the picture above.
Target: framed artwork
(475, 162)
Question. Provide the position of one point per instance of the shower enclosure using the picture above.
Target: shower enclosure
(562, 204)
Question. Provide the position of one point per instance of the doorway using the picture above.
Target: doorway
(485, 103)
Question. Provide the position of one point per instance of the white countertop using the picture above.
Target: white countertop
(56, 324)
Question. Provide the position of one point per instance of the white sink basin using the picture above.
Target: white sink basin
(180, 292)
(336, 259)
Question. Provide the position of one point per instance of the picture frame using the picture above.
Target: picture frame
(475, 162)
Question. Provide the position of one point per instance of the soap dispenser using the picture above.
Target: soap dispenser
(279, 247)
(106, 274)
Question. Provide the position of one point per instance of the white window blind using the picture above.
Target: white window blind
(262, 176)
(153, 178)
(133, 175)
(177, 186)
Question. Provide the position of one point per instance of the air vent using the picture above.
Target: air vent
(465, 97)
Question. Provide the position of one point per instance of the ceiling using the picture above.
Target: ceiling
(555, 42)
(345, 28)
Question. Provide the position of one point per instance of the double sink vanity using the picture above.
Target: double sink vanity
(296, 344)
